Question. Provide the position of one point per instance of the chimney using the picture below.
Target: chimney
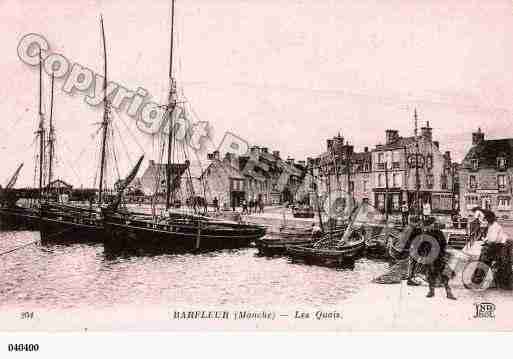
(391, 136)
(447, 155)
(437, 144)
(329, 144)
(265, 150)
(302, 163)
(276, 154)
(427, 132)
(152, 163)
(290, 160)
(477, 137)
(366, 149)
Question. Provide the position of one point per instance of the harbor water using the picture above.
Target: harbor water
(83, 276)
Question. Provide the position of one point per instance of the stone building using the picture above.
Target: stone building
(395, 174)
(223, 180)
(486, 176)
(153, 180)
(341, 169)
(257, 175)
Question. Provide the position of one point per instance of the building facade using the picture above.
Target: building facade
(486, 176)
(342, 170)
(402, 161)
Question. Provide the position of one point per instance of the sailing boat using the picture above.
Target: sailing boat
(61, 221)
(13, 216)
(177, 231)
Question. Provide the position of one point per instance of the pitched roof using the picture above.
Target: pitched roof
(231, 172)
(401, 142)
(488, 151)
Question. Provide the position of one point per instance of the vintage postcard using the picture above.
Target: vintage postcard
(234, 165)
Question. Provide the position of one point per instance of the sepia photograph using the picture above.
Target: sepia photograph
(255, 166)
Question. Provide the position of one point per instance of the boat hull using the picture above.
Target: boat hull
(177, 237)
(54, 230)
(62, 223)
(328, 256)
(19, 219)
(271, 247)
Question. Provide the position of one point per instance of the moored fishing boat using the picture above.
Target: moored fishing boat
(174, 230)
(334, 255)
(277, 245)
(178, 232)
(63, 222)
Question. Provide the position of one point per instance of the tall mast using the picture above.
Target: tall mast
(41, 130)
(171, 108)
(417, 179)
(51, 139)
(105, 122)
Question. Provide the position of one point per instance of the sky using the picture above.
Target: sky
(284, 74)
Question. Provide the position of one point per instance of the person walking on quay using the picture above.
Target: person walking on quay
(405, 213)
(233, 204)
(496, 248)
(244, 207)
(216, 204)
(435, 257)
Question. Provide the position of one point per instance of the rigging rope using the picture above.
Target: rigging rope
(17, 248)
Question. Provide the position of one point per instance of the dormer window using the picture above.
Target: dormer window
(475, 164)
(501, 163)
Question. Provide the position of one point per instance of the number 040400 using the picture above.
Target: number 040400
(23, 347)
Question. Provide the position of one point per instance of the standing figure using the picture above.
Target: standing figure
(405, 213)
(433, 249)
(496, 248)
(261, 206)
(216, 204)
(244, 207)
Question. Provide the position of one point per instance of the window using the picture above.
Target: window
(395, 201)
(396, 180)
(472, 182)
(381, 182)
(366, 167)
(501, 163)
(501, 181)
(351, 186)
(504, 202)
(429, 161)
(442, 202)
(381, 201)
(381, 157)
(475, 164)
(396, 165)
(443, 182)
(429, 181)
(365, 183)
(472, 201)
